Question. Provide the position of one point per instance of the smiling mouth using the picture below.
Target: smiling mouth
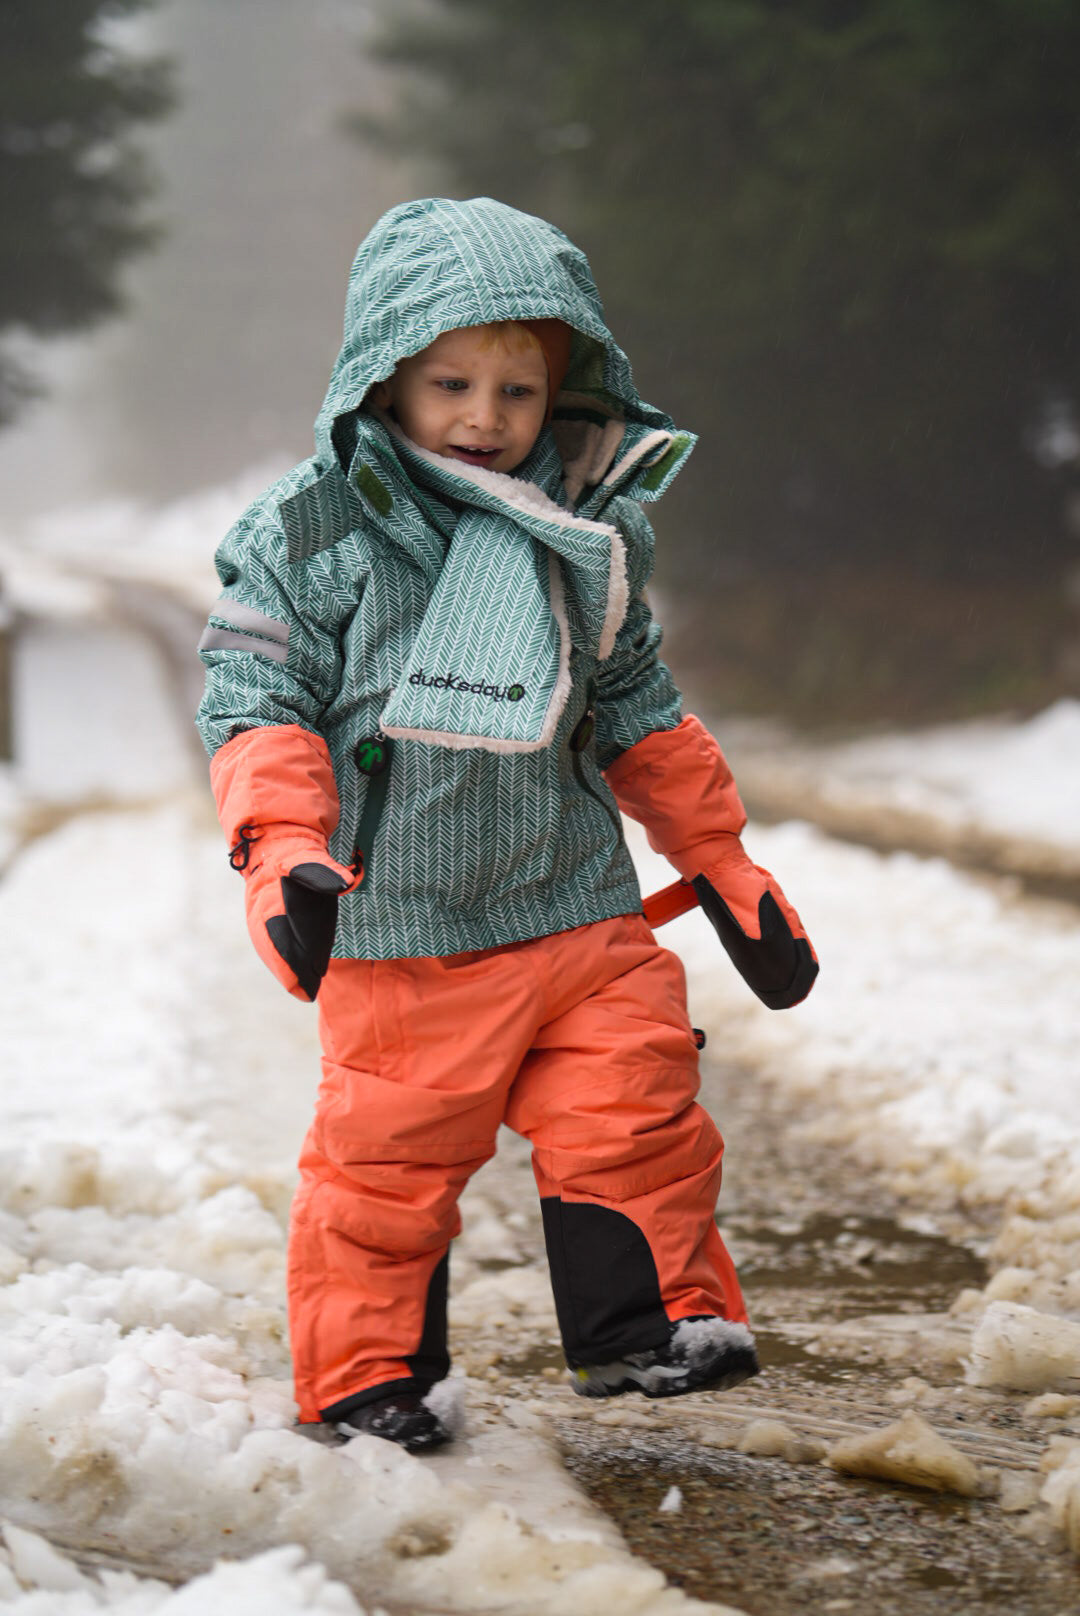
(475, 456)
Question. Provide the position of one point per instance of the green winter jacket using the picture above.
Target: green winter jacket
(326, 578)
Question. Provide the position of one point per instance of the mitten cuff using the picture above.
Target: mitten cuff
(677, 784)
(281, 776)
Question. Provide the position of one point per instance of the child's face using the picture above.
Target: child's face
(470, 397)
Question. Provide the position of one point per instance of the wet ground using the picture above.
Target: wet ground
(849, 1294)
(773, 1538)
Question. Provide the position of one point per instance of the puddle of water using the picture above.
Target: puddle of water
(544, 1355)
(868, 1264)
(777, 1351)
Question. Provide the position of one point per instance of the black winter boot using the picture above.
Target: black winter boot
(403, 1417)
(699, 1354)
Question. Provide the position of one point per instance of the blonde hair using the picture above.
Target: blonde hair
(506, 334)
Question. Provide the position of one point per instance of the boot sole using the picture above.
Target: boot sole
(615, 1379)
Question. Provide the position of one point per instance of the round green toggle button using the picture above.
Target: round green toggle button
(372, 755)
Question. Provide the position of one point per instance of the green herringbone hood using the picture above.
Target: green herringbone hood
(435, 265)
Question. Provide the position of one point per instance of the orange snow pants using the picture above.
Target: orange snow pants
(580, 1042)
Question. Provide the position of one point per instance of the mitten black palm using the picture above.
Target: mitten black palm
(304, 934)
(778, 965)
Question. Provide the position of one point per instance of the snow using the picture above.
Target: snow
(147, 1175)
(1017, 778)
(1005, 789)
(696, 1340)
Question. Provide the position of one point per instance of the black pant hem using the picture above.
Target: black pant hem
(374, 1394)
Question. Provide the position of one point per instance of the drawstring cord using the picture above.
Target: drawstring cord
(240, 855)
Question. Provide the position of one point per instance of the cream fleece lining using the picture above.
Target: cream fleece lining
(651, 446)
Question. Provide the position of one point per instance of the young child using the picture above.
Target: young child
(432, 683)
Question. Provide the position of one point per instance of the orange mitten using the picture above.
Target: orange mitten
(278, 805)
(678, 785)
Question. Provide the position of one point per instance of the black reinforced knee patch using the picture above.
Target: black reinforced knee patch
(607, 1291)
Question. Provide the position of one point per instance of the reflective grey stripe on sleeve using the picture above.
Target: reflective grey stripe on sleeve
(246, 617)
(223, 639)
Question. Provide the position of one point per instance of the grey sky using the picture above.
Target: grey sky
(233, 322)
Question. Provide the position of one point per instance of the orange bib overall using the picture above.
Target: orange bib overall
(579, 1041)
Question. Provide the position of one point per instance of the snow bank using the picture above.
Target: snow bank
(36, 1580)
(1020, 779)
(1001, 790)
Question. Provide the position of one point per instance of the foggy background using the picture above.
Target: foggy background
(839, 240)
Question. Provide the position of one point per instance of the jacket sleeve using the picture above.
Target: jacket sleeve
(635, 693)
(272, 645)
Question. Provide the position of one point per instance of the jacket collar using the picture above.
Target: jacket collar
(603, 457)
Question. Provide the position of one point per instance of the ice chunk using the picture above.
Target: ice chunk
(910, 1451)
(1051, 1406)
(772, 1439)
(1061, 1490)
(1017, 1348)
(1018, 1492)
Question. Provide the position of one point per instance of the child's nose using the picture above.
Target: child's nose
(485, 409)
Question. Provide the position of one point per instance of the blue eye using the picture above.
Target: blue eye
(519, 390)
(452, 384)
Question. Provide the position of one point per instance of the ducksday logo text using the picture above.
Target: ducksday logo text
(450, 681)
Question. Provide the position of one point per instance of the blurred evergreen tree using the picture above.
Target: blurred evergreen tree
(841, 238)
(71, 181)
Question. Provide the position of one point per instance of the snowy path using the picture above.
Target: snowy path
(156, 1085)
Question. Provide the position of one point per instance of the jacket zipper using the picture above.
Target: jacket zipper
(372, 756)
(580, 739)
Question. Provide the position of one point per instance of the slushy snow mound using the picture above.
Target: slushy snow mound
(37, 1580)
(1005, 787)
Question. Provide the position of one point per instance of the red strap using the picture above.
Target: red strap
(670, 902)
